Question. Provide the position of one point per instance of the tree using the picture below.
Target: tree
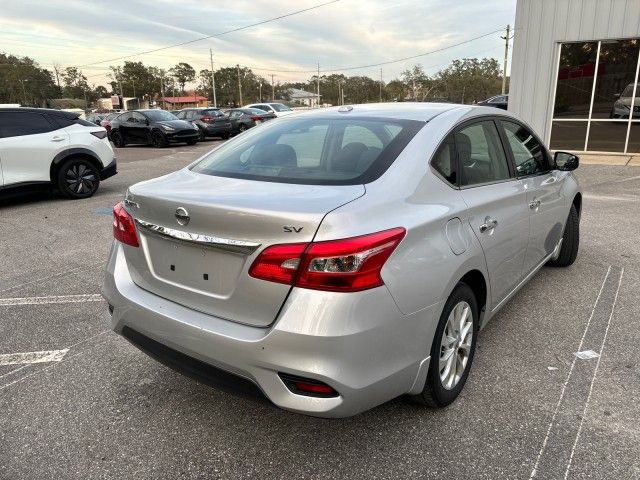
(469, 79)
(75, 83)
(23, 81)
(183, 73)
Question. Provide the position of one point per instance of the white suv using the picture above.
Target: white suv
(279, 109)
(53, 147)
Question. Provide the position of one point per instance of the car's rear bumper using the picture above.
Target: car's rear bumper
(214, 130)
(110, 170)
(358, 343)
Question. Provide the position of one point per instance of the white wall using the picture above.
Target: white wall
(540, 26)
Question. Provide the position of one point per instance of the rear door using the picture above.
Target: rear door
(543, 186)
(498, 212)
(29, 141)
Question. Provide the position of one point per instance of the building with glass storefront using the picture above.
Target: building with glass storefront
(574, 74)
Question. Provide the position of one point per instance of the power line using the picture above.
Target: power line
(219, 34)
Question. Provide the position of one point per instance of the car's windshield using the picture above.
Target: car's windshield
(628, 91)
(160, 115)
(279, 107)
(320, 151)
(253, 111)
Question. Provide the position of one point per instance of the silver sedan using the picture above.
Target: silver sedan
(339, 258)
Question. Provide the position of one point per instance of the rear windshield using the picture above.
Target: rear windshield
(253, 111)
(319, 151)
(212, 113)
(279, 107)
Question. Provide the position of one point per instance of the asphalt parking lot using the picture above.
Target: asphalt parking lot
(105, 410)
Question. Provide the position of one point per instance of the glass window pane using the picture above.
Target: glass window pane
(444, 161)
(568, 135)
(481, 155)
(634, 138)
(616, 72)
(575, 80)
(607, 136)
(529, 155)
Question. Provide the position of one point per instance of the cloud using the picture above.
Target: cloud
(346, 33)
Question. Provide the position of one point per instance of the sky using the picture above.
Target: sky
(343, 34)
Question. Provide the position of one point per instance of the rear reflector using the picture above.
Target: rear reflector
(348, 265)
(307, 386)
(124, 228)
(101, 134)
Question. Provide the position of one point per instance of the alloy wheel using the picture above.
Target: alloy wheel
(455, 346)
(80, 179)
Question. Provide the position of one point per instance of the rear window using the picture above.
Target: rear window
(212, 113)
(319, 151)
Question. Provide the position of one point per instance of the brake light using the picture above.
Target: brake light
(124, 228)
(206, 118)
(347, 265)
(101, 134)
(256, 117)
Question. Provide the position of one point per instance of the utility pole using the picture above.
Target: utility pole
(239, 85)
(506, 56)
(120, 84)
(318, 83)
(380, 84)
(162, 88)
(134, 87)
(273, 91)
(260, 92)
(213, 80)
(24, 93)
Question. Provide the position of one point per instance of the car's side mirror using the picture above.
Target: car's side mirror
(565, 161)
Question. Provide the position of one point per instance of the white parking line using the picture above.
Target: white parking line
(32, 357)
(91, 297)
(564, 387)
(586, 405)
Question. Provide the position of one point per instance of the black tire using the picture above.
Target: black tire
(117, 139)
(241, 128)
(201, 136)
(434, 393)
(225, 136)
(570, 241)
(192, 142)
(78, 178)
(158, 139)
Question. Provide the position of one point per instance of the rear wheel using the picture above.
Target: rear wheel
(192, 142)
(225, 136)
(117, 139)
(158, 139)
(78, 178)
(452, 349)
(242, 127)
(570, 241)
(201, 135)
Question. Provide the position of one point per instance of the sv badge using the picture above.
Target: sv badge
(292, 229)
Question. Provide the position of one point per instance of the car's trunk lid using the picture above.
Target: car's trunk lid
(203, 263)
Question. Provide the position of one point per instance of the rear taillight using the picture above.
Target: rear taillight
(256, 117)
(101, 134)
(347, 265)
(206, 118)
(124, 228)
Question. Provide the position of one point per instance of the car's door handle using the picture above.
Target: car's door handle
(57, 139)
(534, 204)
(489, 224)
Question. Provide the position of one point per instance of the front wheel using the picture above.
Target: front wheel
(570, 241)
(78, 178)
(158, 139)
(117, 139)
(201, 135)
(192, 142)
(452, 349)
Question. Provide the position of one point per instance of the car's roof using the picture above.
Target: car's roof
(423, 111)
(49, 111)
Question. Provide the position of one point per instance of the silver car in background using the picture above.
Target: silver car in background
(342, 257)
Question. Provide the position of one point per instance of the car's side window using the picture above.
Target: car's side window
(266, 108)
(480, 154)
(444, 161)
(15, 124)
(138, 118)
(528, 153)
(180, 115)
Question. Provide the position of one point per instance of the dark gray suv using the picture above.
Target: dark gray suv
(211, 122)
